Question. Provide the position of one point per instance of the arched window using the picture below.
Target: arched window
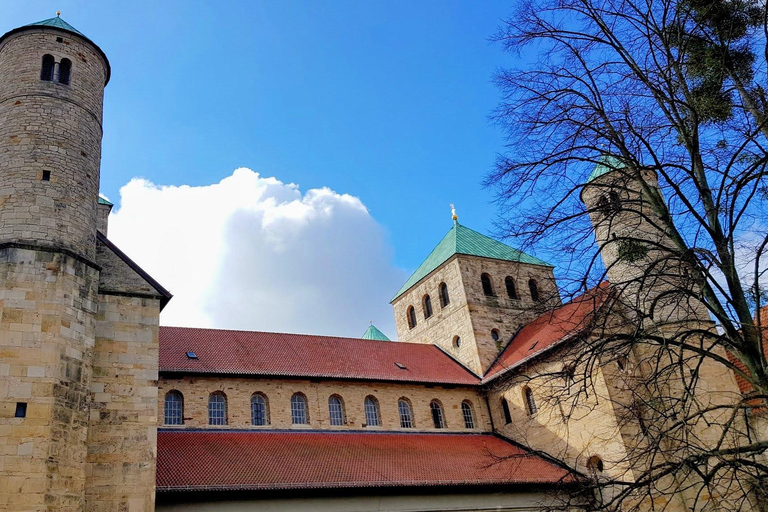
(614, 200)
(595, 464)
(259, 409)
(466, 411)
(411, 313)
(406, 413)
(485, 279)
(65, 70)
(534, 288)
(217, 409)
(174, 408)
(530, 403)
(427, 306)
(336, 411)
(299, 413)
(372, 416)
(456, 341)
(444, 298)
(438, 419)
(46, 72)
(511, 289)
(505, 408)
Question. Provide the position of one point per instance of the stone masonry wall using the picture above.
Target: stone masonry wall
(48, 126)
(122, 431)
(238, 391)
(47, 330)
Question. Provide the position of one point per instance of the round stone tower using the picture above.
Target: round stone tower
(52, 82)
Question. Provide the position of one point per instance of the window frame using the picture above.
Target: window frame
(65, 71)
(505, 410)
(468, 413)
(487, 284)
(530, 402)
(215, 421)
(47, 60)
(511, 286)
(406, 420)
(410, 314)
(533, 288)
(264, 403)
(372, 411)
(180, 396)
(445, 298)
(336, 418)
(438, 414)
(297, 399)
(426, 303)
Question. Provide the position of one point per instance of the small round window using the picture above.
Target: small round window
(495, 334)
(456, 342)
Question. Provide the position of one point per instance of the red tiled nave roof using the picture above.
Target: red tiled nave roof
(299, 355)
(553, 326)
(271, 460)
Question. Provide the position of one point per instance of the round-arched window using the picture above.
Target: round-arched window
(456, 341)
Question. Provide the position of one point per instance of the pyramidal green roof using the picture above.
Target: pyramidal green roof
(606, 164)
(105, 201)
(372, 333)
(58, 23)
(462, 240)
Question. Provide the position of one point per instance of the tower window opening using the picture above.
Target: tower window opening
(595, 464)
(21, 410)
(495, 334)
(444, 298)
(46, 176)
(46, 73)
(534, 289)
(427, 307)
(411, 314)
(438, 418)
(65, 70)
(530, 402)
(511, 289)
(456, 342)
(505, 408)
(485, 279)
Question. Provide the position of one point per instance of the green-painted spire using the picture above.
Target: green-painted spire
(606, 164)
(372, 333)
(58, 23)
(462, 240)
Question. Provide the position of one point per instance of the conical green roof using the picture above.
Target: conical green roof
(372, 333)
(607, 163)
(462, 240)
(58, 23)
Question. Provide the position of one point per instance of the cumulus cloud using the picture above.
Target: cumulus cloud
(252, 252)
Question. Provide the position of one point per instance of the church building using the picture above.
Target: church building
(103, 409)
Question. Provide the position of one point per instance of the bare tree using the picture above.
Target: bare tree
(643, 125)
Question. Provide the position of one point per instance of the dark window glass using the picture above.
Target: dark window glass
(65, 70)
(21, 410)
(507, 414)
(534, 290)
(427, 306)
(336, 411)
(530, 403)
(466, 411)
(444, 298)
(406, 415)
(174, 408)
(437, 414)
(46, 73)
(487, 287)
(372, 417)
(259, 411)
(511, 290)
(217, 409)
(411, 317)
(299, 415)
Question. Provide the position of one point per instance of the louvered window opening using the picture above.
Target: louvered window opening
(406, 416)
(466, 411)
(444, 298)
(217, 410)
(299, 410)
(259, 411)
(437, 415)
(530, 402)
(174, 410)
(336, 411)
(372, 412)
(427, 307)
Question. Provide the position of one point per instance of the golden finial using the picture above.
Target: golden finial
(453, 213)
(58, 13)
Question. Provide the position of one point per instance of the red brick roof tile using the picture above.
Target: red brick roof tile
(299, 355)
(271, 460)
(550, 328)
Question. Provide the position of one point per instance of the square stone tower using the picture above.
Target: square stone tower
(471, 295)
(78, 319)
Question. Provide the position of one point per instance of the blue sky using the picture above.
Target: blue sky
(388, 102)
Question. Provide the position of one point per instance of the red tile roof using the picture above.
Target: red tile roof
(299, 355)
(550, 328)
(744, 386)
(270, 460)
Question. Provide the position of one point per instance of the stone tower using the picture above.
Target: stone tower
(471, 295)
(639, 253)
(78, 319)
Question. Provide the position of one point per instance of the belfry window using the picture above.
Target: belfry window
(511, 289)
(444, 298)
(411, 314)
(372, 416)
(174, 408)
(534, 289)
(259, 410)
(438, 419)
(65, 70)
(505, 408)
(217, 409)
(46, 73)
(530, 402)
(485, 279)
(427, 307)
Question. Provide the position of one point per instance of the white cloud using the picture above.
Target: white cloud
(253, 253)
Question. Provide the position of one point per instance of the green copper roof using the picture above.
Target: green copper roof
(606, 164)
(58, 23)
(372, 333)
(462, 240)
(104, 201)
